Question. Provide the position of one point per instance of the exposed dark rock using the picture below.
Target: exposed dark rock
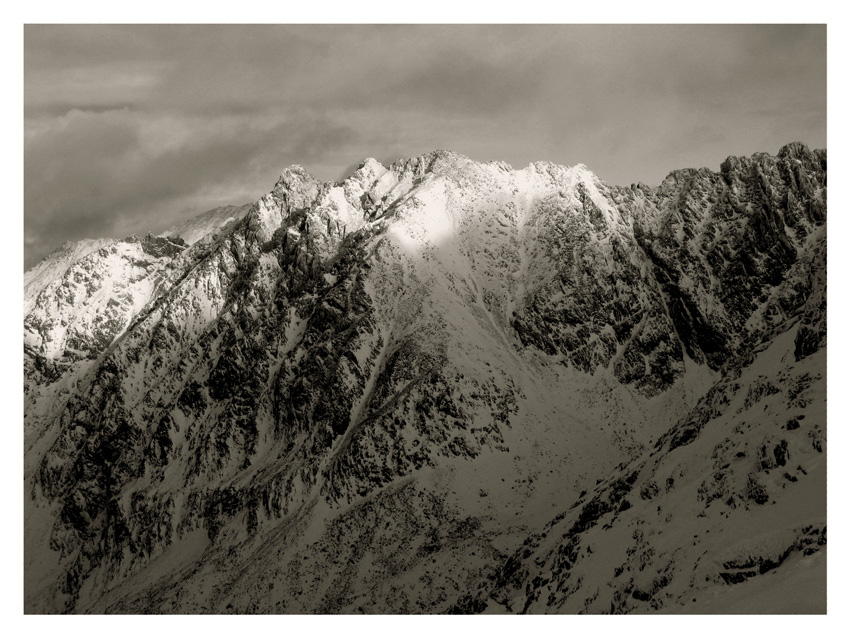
(733, 578)
(756, 491)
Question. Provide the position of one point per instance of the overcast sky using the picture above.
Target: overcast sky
(131, 128)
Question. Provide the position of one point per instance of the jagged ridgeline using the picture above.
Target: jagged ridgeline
(440, 386)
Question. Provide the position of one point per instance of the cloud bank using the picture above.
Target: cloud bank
(132, 128)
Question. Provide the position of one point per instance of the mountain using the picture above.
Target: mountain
(54, 265)
(441, 386)
(212, 221)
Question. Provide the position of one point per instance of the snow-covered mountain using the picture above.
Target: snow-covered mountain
(440, 386)
(213, 221)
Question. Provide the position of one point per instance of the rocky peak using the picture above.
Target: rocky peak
(158, 246)
(368, 172)
(798, 151)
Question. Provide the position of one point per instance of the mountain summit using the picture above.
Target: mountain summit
(440, 386)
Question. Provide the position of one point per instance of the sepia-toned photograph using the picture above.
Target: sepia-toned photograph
(396, 319)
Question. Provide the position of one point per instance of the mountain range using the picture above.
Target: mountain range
(439, 386)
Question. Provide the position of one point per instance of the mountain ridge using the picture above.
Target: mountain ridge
(351, 347)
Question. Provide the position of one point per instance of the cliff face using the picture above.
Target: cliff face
(384, 395)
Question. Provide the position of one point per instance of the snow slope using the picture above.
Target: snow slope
(207, 223)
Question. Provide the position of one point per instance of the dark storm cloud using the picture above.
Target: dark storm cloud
(129, 128)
